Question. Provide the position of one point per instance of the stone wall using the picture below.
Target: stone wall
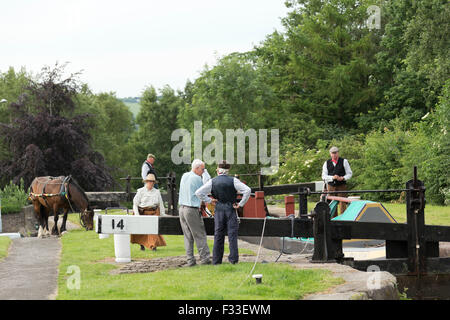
(23, 222)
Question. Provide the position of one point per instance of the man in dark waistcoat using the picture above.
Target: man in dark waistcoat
(148, 167)
(335, 173)
(224, 190)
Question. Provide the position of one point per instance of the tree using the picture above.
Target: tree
(413, 61)
(44, 139)
(332, 56)
(157, 120)
(110, 127)
(230, 95)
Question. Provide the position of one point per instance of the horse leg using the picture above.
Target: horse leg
(63, 224)
(39, 213)
(55, 226)
(46, 231)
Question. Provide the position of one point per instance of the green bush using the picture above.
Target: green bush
(303, 165)
(13, 197)
(384, 159)
(382, 165)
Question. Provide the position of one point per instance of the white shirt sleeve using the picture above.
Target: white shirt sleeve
(162, 210)
(348, 170)
(202, 192)
(144, 171)
(136, 201)
(243, 189)
(325, 175)
(205, 176)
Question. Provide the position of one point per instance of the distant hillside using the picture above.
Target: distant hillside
(134, 104)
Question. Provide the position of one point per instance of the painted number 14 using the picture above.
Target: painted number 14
(119, 225)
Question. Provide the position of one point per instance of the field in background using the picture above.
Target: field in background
(134, 108)
(133, 103)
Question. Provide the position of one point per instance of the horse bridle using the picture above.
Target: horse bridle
(66, 182)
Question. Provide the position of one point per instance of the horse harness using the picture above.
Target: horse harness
(63, 192)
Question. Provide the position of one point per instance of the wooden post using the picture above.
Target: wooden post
(302, 203)
(415, 205)
(128, 188)
(169, 194)
(326, 249)
(172, 194)
(260, 181)
(289, 204)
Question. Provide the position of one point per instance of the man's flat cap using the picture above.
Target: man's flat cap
(151, 155)
(223, 165)
(334, 149)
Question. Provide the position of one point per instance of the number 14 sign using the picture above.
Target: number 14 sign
(123, 224)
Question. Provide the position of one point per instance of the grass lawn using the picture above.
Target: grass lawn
(85, 250)
(434, 215)
(437, 215)
(4, 245)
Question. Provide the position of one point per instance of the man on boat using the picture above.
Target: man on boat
(335, 173)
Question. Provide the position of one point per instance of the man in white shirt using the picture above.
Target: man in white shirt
(335, 173)
(190, 218)
(148, 167)
(224, 190)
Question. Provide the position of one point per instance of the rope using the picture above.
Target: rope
(292, 217)
(257, 256)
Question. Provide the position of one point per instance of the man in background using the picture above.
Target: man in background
(190, 217)
(335, 173)
(147, 168)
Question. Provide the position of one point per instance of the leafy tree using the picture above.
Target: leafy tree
(429, 150)
(110, 126)
(413, 60)
(42, 141)
(11, 85)
(157, 120)
(332, 54)
(231, 95)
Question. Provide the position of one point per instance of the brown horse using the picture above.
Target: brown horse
(50, 194)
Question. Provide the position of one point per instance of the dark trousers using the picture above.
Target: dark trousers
(225, 222)
(342, 205)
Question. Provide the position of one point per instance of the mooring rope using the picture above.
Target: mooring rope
(257, 255)
(291, 217)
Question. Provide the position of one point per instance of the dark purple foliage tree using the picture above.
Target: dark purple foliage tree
(46, 138)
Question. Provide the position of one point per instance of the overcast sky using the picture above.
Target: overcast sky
(125, 45)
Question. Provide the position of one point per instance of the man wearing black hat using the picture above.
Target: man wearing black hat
(224, 189)
(335, 173)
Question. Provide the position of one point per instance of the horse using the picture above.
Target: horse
(50, 194)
